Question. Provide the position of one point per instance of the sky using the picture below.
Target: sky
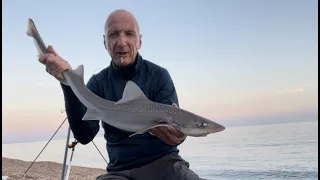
(231, 61)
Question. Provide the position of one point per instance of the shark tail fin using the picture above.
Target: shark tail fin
(33, 32)
(29, 30)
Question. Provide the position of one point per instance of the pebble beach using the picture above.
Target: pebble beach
(45, 170)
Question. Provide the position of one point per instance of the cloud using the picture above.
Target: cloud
(298, 90)
(9, 107)
(42, 84)
(295, 90)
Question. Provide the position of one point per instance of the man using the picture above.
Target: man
(151, 155)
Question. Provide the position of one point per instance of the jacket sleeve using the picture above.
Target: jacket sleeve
(83, 131)
(165, 90)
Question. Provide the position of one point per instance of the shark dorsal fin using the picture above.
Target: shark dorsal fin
(132, 92)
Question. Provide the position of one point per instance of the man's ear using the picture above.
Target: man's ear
(104, 42)
(140, 41)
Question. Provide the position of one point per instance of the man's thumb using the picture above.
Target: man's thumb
(51, 50)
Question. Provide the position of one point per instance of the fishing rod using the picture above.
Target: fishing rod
(44, 147)
(68, 146)
(65, 155)
(71, 146)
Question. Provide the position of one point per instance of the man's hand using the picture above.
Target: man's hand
(55, 65)
(169, 135)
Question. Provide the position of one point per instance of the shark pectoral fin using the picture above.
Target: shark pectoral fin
(90, 115)
(145, 130)
(132, 92)
(79, 71)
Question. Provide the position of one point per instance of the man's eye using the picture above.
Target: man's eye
(130, 34)
(112, 35)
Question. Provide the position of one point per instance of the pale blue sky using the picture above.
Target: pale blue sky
(227, 58)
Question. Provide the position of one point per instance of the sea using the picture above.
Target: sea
(274, 152)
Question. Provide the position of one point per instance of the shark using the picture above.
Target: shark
(134, 112)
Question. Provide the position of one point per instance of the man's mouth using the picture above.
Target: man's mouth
(122, 53)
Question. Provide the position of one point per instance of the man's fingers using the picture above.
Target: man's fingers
(52, 68)
(42, 59)
(57, 73)
(158, 133)
(49, 62)
(175, 105)
(154, 131)
(170, 138)
(51, 50)
(165, 135)
(175, 132)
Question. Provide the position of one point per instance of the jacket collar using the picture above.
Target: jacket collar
(128, 72)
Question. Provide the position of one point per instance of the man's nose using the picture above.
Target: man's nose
(122, 40)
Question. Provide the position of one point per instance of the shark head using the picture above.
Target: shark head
(197, 126)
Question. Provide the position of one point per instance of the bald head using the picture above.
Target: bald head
(122, 37)
(121, 15)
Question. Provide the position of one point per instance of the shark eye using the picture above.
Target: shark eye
(204, 124)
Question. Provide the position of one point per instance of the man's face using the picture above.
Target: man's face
(122, 38)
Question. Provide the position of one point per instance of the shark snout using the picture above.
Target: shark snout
(221, 128)
(217, 128)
